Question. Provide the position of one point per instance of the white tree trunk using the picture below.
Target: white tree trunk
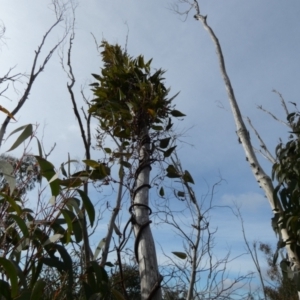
(261, 177)
(144, 244)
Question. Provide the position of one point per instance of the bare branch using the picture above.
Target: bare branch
(35, 72)
(273, 116)
(282, 102)
(265, 151)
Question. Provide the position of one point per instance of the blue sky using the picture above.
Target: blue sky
(261, 46)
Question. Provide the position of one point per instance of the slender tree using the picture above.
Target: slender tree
(132, 107)
(263, 180)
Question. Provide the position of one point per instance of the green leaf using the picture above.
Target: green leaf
(187, 177)
(63, 171)
(181, 255)
(168, 152)
(38, 290)
(27, 132)
(15, 207)
(170, 124)
(7, 171)
(11, 272)
(77, 229)
(47, 171)
(102, 278)
(91, 163)
(161, 192)
(89, 207)
(36, 273)
(109, 264)
(99, 248)
(163, 143)
(117, 295)
(39, 147)
(69, 217)
(54, 263)
(21, 224)
(70, 182)
(126, 164)
(172, 172)
(73, 204)
(177, 113)
(53, 239)
(96, 76)
(157, 128)
(107, 150)
(5, 290)
(181, 194)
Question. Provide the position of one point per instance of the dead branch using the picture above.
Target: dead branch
(264, 149)
(35, 71)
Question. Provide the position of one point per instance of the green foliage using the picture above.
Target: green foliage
(24, 172)
(287, 172)
(130, 279)
(35, 245)
(280, 287)
(128, 96)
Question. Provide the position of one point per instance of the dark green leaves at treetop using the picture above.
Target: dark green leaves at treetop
(128, 96)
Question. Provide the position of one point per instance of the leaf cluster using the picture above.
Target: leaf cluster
(33, 245)
(286, 171)
(128, 97)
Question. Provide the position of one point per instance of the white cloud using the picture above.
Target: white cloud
(250, 201)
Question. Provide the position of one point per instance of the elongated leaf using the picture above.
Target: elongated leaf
(69, 217)
(77, 229)
(15, 207)
(102, 278)
(91, 163)
(54, 238)
(47, 171)
(164, 143)
(67, 260)
(126, 164)
(5, 290)
(7, 170)
(7, 112)
(181, 255)
(161, 192)
(180, 194)
(117, 295)
(187, 177)
(74, 203)
(63, 171)
(52, 200)
(54, 263)
(70, 182)
(177, 113)
(38, 290)
(27, 132)
(168, 152)
(99, 248)
(54, 177)
(11, 272)
(89, 207)
(39, 147)
(21, 276)
(157, 127)
(21, 224)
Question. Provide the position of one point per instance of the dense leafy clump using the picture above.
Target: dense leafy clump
(128, 96)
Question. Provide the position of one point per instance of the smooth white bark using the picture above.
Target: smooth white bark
(145, 247)
(261, 177)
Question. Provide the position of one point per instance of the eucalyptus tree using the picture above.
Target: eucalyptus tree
(133, 107)
(262, 178)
